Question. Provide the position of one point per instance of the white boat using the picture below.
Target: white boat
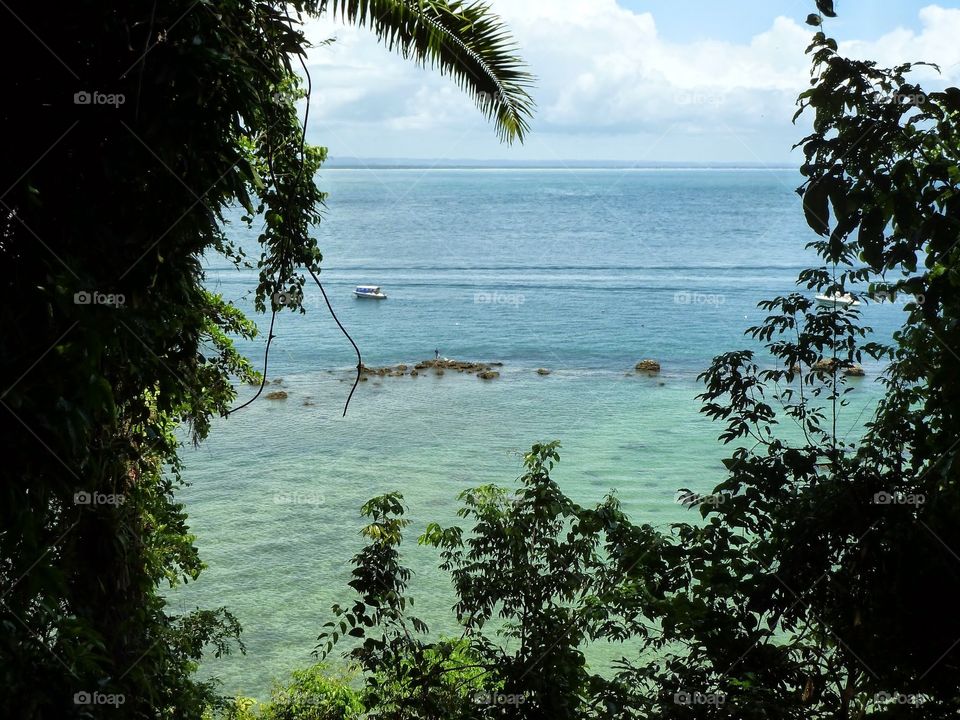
(837, 299)
(369, 291)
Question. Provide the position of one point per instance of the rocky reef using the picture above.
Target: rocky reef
(828, 365)
(439, 366)
(649, 366)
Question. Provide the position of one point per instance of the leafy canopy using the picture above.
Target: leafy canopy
(135, 128)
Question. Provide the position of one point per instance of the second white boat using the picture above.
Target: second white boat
(837, 299)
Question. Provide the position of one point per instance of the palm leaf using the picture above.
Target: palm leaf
(463, 39)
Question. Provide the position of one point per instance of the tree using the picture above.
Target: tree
(528, 578)
(132, 128)
(819, 580)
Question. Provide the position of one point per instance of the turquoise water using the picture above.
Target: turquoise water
(582, 272)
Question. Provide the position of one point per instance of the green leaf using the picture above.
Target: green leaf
(815, 207)
(826, 8)
(465, 40)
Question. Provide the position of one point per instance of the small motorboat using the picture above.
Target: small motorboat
(369, 291)
(837, 299)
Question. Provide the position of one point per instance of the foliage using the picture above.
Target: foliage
(817, 587)
(460, 38)
(528, 579)
(311, 694)
(822, 579)
(133, 127)
(442, 679)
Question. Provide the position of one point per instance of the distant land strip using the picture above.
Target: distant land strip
(357, 163)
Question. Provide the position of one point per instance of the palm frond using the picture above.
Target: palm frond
(464, 39)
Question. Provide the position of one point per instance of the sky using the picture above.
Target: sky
(647, 81)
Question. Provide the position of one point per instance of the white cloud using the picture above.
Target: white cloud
(603, 71)
(625, 75)
(937, 42)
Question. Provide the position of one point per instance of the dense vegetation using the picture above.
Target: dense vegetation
(130, 128)
(816, 583)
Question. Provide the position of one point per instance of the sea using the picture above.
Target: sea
(582, 272)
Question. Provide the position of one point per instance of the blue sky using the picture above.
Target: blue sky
(628, 80)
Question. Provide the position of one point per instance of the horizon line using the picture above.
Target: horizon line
(353, 162)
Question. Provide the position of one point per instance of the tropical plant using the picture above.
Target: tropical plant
(528, 577)
(460, 38)
(313, 693)
(134, 128)
(817, 589)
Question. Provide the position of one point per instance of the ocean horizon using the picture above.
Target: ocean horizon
(335, 162)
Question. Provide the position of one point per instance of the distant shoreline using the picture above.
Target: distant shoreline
(416, 164)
